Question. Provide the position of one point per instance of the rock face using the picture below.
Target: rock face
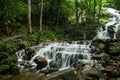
(41, 62)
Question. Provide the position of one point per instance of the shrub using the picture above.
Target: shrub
(4, 69)
(14, 69)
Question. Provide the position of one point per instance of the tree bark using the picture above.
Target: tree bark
(40, 29)
(29, 17)
(77, 14)
(94, 12)
(100, 6)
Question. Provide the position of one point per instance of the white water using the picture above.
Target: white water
(66, 54)
(113, 23)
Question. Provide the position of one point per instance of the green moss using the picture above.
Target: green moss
(106, 57)
(101, 46)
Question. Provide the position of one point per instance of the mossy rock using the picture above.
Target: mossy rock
(4, 69)
(114, 51)
(105, 56)
(99, 40)
(101, 46)
(114, 48)
(94, 73)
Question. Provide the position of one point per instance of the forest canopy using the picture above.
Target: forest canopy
(68, 14)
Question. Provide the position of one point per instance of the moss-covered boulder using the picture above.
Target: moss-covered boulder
(101, 46)
(67, 74)
(115, 48)
(92, 73)
(105, 56)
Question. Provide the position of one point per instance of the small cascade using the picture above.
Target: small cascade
(109, 30)
(62, 55)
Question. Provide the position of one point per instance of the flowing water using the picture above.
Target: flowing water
(63, 55)
(110, 29)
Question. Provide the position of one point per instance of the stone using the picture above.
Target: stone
(53, 64)
(112, 71)
(91, 72)
(41, 62)
(29, 53)
(68, 74)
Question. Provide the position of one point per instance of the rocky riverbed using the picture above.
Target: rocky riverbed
(106, 66)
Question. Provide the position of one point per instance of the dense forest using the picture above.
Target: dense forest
(63, 18)
(26, 23)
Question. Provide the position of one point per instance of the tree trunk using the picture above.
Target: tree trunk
(94, 12)
(77, 14)
(58, 15)
(29, 17)
(40, 30)
(100, 6)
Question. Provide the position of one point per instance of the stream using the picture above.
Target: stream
(63, 55)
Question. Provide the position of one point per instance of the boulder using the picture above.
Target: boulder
(41, 62)
(102, 56)
(112, 71)
(68, 74)
(93, 73)
(114, 48)
(29, 53)
(53, 64)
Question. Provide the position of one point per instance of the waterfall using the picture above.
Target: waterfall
(109, 30)
(63, 55)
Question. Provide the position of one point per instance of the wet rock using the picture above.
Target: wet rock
(68, 74)
(111, 31)
(28, 65)
(41, 62)
(53, 64)
(29, 53)
(50, 70)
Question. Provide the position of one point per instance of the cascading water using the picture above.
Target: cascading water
(63, 55)
(109, 30)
